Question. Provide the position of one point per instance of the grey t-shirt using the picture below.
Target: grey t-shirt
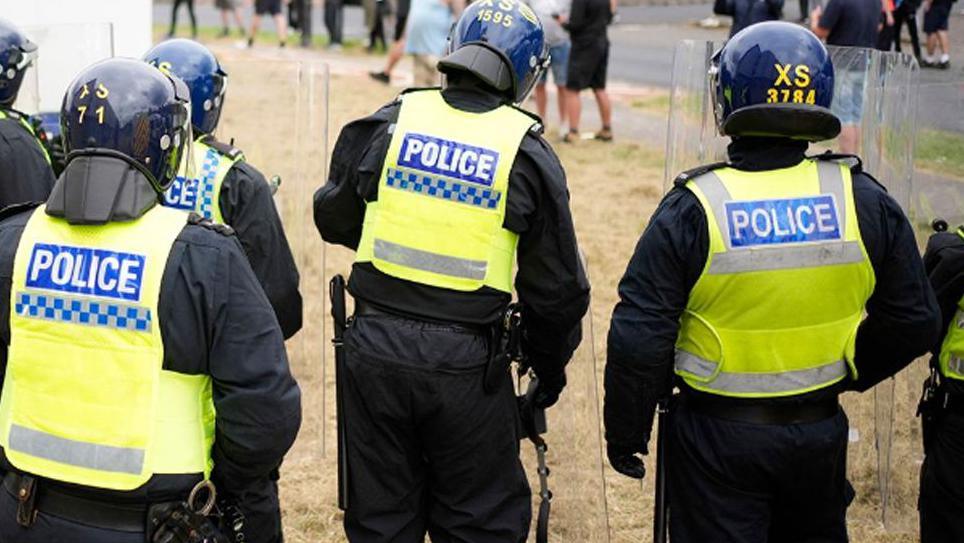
(852, 23)
(545, 9)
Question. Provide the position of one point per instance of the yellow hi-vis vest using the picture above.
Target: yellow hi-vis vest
(29, 128)
(952, 350)
(85, 399)
(442, 196)
(201, 193)
(776, 310)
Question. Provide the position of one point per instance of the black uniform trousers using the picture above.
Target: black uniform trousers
(736, 482)
(942, 483)
(51, 529)
(428, 450)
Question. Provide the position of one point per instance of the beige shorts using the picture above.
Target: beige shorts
(224, 4)
(426, 74)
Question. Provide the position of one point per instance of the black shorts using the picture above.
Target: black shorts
(935, 19)
(587, 66)
(267, 7)
(400, 21)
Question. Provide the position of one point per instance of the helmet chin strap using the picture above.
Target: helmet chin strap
(99, 186)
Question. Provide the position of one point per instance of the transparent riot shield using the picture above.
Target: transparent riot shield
(876, 98)
(574, 457)
(276, 113)
(63, 50)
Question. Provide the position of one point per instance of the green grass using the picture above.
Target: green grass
(264, 37)
(657, 103)
(940, 152)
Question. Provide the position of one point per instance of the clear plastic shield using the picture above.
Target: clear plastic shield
(63, 50)
(938, 189)
(575, 460)
(276, 112)
(874, 95)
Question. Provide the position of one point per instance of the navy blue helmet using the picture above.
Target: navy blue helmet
(774, 79)
(17, 53)
(502, 43)
(126, 107)
(199, 69)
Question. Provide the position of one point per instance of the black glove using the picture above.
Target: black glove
(549, 389)
(625, 461)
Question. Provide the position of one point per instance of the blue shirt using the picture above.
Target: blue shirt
(429, 22)
(852, 23)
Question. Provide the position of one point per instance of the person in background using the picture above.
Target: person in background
(588, 61)
(906, 13)
(375, 12)
(334, 22)
(848, 23)
(550, 13)
(748, 12)
(886, 31)
(427, 34)
(937, 14)
(190, 11)
(272, 8)
(25, 170)
(397, 50)
(229, 9)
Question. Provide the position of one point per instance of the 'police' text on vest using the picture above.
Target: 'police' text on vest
(782, 221)
(449, 158)
(84, 270)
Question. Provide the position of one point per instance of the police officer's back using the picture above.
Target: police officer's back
(942, 476)
(25, 172)
(440, 193)
(140, 354)
(776, 282)
(226, 188)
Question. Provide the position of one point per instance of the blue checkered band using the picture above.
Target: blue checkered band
(88, 311)
(445, 189)
(209, 174)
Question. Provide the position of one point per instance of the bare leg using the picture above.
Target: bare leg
(944, 41)
(541, 100)
(931, 45)
(255, 23)
(850, 139)
(237, 19)
(395, 54)
(605, 108)
(563, 106)
(575, 111)
(282, 27)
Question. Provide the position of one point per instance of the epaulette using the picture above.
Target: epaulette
(416, 89)
(197, 220)
(852, 161)
(689, 175)
(225, 149)
(16, 209)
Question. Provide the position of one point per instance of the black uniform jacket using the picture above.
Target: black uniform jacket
(214, 320)
(944, 262)
(247, 205)
(25, 174)
(901, 321)
(550, 282)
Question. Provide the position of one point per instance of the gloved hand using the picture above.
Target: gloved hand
(625, 461)
(549, 389)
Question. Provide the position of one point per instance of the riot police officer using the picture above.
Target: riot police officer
(769, 284)
(440, 193)
(141, 355)
(941, 503)
(25, 171)
(226, 188)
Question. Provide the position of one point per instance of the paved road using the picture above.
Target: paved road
(645, 38)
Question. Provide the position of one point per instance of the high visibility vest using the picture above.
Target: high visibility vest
(200, 192)
(442, 196)
(776, 309)
(952, 350)
(29, 128)
(85, 397)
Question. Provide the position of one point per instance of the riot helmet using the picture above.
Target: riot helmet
(17, 53)
(774, 79)
(200, 70)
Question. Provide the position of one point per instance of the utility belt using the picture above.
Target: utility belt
(170, 522)
(760, 413)
(367, 309)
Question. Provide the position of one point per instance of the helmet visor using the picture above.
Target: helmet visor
(181, 162)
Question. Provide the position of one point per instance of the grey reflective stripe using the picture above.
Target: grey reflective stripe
(759, 383)
(794, 257)
(832, 182)
(716, 194)
(788, 256)
(430, 262)
(955, 365)
(75, 453)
